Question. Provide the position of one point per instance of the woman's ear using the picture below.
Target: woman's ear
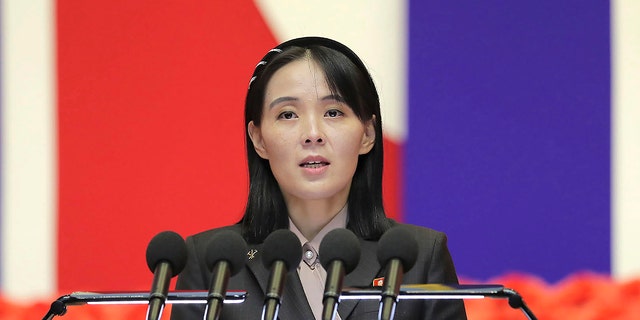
(369, 136)
(256, 137)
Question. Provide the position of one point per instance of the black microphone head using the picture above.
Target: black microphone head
(229, 246)
(398, 243)
(340, 244)
(167, 246)
(282, 245)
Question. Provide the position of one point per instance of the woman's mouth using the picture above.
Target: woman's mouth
(314, 164)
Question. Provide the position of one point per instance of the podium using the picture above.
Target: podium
(407, 291)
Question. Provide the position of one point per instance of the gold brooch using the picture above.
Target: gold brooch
(252, 254)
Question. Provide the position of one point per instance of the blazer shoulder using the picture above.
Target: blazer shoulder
(420, 231)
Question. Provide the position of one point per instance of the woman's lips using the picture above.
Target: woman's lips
(314, 164)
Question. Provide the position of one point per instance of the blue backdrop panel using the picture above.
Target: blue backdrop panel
(508, 147)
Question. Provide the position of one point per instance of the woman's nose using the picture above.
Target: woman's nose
(313, 133)
(310, 140)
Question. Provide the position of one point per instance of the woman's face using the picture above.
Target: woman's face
(311, 138)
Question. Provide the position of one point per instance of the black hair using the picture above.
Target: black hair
(266, 210)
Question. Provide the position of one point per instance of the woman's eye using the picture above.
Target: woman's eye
(287, 115)
(333, 113)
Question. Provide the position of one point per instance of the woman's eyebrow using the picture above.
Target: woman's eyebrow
(280, 100)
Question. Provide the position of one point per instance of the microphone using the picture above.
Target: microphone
(339, 255)
(225, 257)
(166, 257)
(397, 250)
(282, 253)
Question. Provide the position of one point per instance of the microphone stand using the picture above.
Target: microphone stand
(440, 291)
(408, 291)
(516, 302)
(59, 306)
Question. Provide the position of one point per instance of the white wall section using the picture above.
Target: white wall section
(28, 149)
(625, 55)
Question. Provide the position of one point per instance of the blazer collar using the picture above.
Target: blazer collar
(294, 303)
(362, 276)
(255, 265)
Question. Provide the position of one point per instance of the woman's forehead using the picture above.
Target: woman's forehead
(297, 76)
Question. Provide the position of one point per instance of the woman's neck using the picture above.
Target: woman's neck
(311, 216)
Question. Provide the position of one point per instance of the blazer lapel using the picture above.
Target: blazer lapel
(254, 264)
(294, 303)
(294, 300)
(367, 270)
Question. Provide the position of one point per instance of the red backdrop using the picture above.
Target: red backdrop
(150, 107)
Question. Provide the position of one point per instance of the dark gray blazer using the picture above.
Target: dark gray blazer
(434, 265)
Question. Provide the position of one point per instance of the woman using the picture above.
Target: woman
(314, 148)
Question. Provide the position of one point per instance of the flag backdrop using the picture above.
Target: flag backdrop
(121, 119)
